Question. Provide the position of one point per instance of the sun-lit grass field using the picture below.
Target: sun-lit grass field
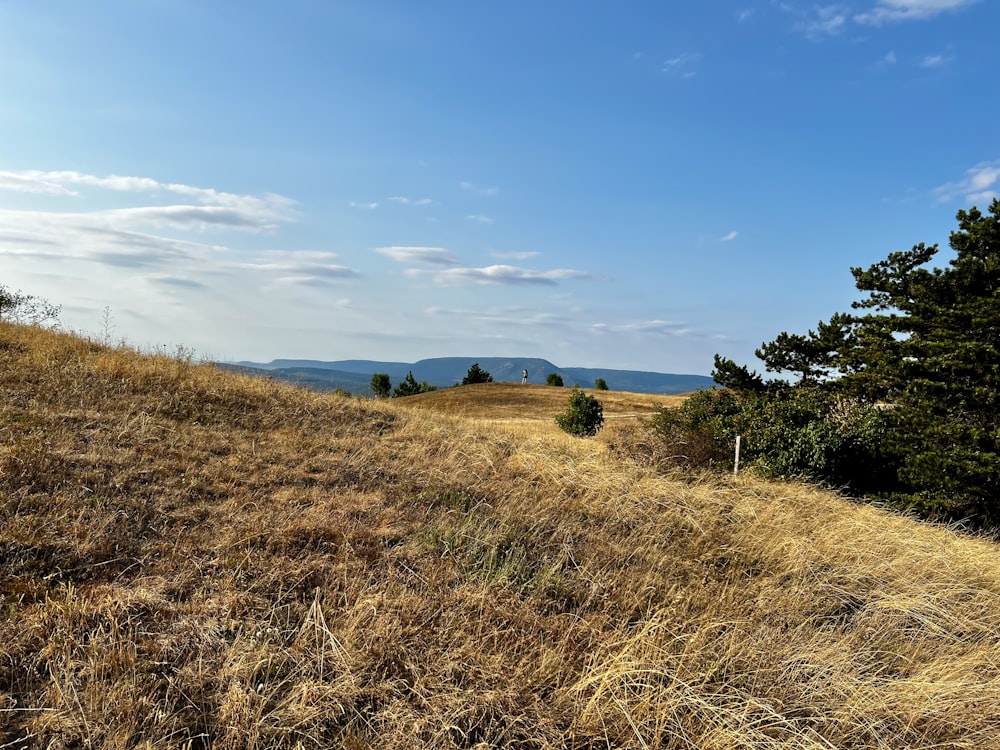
(192, 558)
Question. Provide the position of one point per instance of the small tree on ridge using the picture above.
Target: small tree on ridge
(476, 374)
(381, 385)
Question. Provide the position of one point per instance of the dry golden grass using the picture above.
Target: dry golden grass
(507, 402)
(190, 558)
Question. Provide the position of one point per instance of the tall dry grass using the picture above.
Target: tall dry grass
(190, 558)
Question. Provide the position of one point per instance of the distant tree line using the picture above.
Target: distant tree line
(896, 401)
(381, 385)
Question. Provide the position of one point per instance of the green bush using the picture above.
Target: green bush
(700, 433)
(583, 417)
(554, 378)
(601, 384)
(798, 432)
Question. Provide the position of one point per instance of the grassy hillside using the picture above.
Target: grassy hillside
(515, 403)
(192, 558)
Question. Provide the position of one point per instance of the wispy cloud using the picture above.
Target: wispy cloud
(745, 15)
(890, 11)
(174, 281)
(252, 212)
(729, 237)
(404, 201)
(292, 267)
(480, 218)
(890, 58)
(514, 255)
(479, 189)
(979, 185)
(821, 21)
(91, 237)
(682, 65)
(436, 256)
(506, 316)
(656, 327)
(503, 275)
(135, 238)
(368, 206)
(931, 62)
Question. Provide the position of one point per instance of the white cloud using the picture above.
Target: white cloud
(103, 238)
(979, 185)
(437, 256)
(681, 65)
(745, 15)
(827, 20)
(28, 182)
(657, 327)
(479, 218)
(729, 237)
(368, 206)
(890, 58)
(934, 61)
(126, 241)
(985, 197)
(504, 276)
(403, 200)
(888, 11)
(480, 189)
(246, 211)
(185, 217)
(90, 237)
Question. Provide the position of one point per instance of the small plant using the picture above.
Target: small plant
(554, 378)
(381, 385)
(601, 384)
(18, 307)
(583, 417)
(476, 374)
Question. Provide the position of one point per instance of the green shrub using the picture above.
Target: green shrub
(554, 378)
(799, 432)
(583, 417)
(601, 384)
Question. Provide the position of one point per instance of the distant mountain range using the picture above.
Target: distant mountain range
(355, 375)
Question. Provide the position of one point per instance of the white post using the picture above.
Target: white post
(736, 462)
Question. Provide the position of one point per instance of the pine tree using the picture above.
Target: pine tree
(476, 375)
(381, 385)
(407, 387)
(924, 346)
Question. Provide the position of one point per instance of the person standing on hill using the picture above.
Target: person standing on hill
(524, 377)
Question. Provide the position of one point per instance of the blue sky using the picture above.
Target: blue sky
(631, 185)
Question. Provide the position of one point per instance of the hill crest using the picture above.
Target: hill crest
(354, 375)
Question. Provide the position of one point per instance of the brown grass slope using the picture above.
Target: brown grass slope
(190, 558)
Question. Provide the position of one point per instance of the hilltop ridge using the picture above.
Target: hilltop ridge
(355, 374)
